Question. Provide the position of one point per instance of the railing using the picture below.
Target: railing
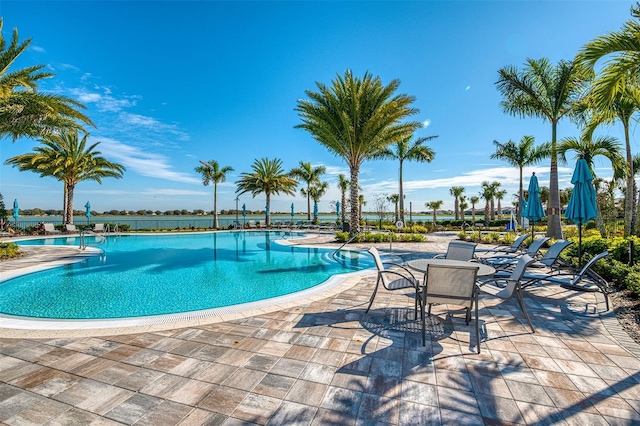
(83, 244)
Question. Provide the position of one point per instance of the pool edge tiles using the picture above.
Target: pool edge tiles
(24, 327)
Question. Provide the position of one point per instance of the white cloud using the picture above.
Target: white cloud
(172, 192)
(143, 162)
(102, 99)
(426, 123)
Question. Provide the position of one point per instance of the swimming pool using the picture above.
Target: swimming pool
(144, 275)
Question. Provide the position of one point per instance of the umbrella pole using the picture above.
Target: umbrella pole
(580, 245)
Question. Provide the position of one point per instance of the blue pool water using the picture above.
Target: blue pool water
(142, 275)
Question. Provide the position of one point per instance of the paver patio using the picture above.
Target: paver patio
(327, 362)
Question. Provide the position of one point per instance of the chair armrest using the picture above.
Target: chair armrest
(397, 265)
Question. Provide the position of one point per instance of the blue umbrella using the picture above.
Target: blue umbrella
(582, 205)
(533, 210)
(338, 209)
(16, 210)
(244, 214)
(292, 211)
(88, 211)
(315, 211)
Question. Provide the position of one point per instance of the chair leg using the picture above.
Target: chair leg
(477, 324)
(524, 310)
(468, 317)
(373, 296)
(423, 300)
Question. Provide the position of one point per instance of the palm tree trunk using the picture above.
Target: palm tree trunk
(630, 194)
(520, 198)
(487, 213)
(554, 227)
(267, 216)
(355, 224)
(308, 204)
(457, 207)
(401, 193)
(215, 205)
(69, 218)
(473, 213)
(64, 204)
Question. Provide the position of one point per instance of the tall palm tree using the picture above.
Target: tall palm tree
(316, 191)
(212, 172)
(473, 200)
(406, 150)
(24, 112)
(343, 186)
(67, 158)
(395, 199)
(494, 190)
(588, 148)
(310, 175)
(267, 177)
(551, 93)
(356, 119)
(521, 155)
(463, 206)
(456, 191)
(434, 205)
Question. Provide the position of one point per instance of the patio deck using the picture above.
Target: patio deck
(326, 362)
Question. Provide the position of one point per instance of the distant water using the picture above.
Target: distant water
(174, 222)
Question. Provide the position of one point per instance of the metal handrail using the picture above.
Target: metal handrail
(83, 245)
(353, 237)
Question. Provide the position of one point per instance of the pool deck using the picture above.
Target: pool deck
(322, 360)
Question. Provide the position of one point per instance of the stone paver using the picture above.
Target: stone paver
(327, 362)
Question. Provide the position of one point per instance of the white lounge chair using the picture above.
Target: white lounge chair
(98, 227)
(49, 229)
(251, 224)
(71, 228)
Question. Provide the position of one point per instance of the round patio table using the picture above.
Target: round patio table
(421, 265)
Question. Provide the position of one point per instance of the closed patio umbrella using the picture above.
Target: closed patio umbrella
(315, 212)
(582, 205)
(88, 212)
(533, 209)
(16, 211)
(244, 214)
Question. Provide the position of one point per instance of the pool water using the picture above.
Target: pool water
(141, 275)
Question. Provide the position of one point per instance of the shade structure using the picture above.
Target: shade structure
(16, 210)
(582, 205)
(533, 209)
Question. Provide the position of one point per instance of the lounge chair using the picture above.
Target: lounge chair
(551, 258)
(515, 247)
(397, 278)
(262, 224)
(251, 224)
(277, 224)
(98, 227)
(49, 229)
(451, 285)
(458, 250)
(506, 288)
(71, 228)
(585, 279)
(506, 261)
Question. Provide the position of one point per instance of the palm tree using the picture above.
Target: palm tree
(67, 158)
(456, 191)
(405, 150)
(343, 186)
(474, 200)
(463, 206)
(587, 147)
(310, 175)
(434, 205)
(267, 177)
(521, 155)
(23, 111)
(356, 119)
(395, 199)
(487, 193)
(499, 195)
(551, 93)
(361, 202)
(316, 191)
(211, 172)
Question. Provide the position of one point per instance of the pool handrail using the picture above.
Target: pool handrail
(100, 239)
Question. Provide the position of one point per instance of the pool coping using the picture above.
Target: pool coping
(12, 326)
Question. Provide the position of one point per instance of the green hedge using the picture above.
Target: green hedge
(380, 237)
(9, 251)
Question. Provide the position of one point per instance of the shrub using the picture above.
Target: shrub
(9, 251)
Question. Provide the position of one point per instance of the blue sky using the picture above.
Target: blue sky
(171, 83)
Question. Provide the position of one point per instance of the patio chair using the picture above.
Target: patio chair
(511, 286)
(251, 224)
(49, 229)
(398, 278)
(451, 285)
(98, 227)
(71, 228)
(458, 250)
(551, 258)
(515, 247)
(277, 224)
